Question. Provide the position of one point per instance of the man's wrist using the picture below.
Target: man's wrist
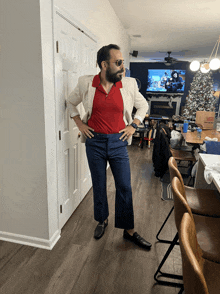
(134, 125)
(77, 120)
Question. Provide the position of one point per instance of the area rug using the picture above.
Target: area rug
(166, 190)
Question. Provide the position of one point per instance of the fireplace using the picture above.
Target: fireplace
(164, 105)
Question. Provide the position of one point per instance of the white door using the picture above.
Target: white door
(89, 51)
(71, 61)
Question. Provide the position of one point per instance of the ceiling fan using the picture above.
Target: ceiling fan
(169, 60)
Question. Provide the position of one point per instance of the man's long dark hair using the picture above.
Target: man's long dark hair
(104, 53)
(175, 72)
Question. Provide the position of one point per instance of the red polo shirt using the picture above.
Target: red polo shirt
(107, 111)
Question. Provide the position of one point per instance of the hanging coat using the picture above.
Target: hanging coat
(161, 150)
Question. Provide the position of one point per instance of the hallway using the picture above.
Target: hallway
(79, 264)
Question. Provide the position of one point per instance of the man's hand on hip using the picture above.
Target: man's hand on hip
(128, 132)
(85, 130)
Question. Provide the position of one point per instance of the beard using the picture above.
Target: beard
(113, 77)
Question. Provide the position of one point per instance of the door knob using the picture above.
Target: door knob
(79, 135)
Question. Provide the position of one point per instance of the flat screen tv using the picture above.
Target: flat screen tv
(166, 80)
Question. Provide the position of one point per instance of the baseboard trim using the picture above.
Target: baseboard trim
(31, 241)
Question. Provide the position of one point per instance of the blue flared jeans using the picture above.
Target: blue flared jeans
(100, 149)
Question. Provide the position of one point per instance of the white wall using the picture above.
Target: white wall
(100, 18)
(28, 171)
(23, 193)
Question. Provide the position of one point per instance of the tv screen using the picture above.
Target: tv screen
(166, 80)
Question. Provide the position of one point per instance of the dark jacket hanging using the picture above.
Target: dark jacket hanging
(161, 150)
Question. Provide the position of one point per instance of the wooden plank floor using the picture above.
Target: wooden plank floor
(79, 264)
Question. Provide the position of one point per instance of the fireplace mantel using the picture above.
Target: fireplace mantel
(168, 99)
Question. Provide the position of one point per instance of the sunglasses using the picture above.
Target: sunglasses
(117, 62)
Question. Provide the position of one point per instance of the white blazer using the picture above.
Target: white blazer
(84, 92)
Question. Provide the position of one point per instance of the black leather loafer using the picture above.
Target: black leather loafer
(137, 239)
(100, 230)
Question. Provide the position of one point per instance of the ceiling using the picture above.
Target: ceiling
(187, 28)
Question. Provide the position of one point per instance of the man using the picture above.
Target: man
(175, 83)
(107, 128)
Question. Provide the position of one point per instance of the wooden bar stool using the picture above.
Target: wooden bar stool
(199, 275)
(207, 228)
(201, 201)
(182, 155)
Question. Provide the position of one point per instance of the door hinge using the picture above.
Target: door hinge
(61, 209)
(57, 46)
(59, 135)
